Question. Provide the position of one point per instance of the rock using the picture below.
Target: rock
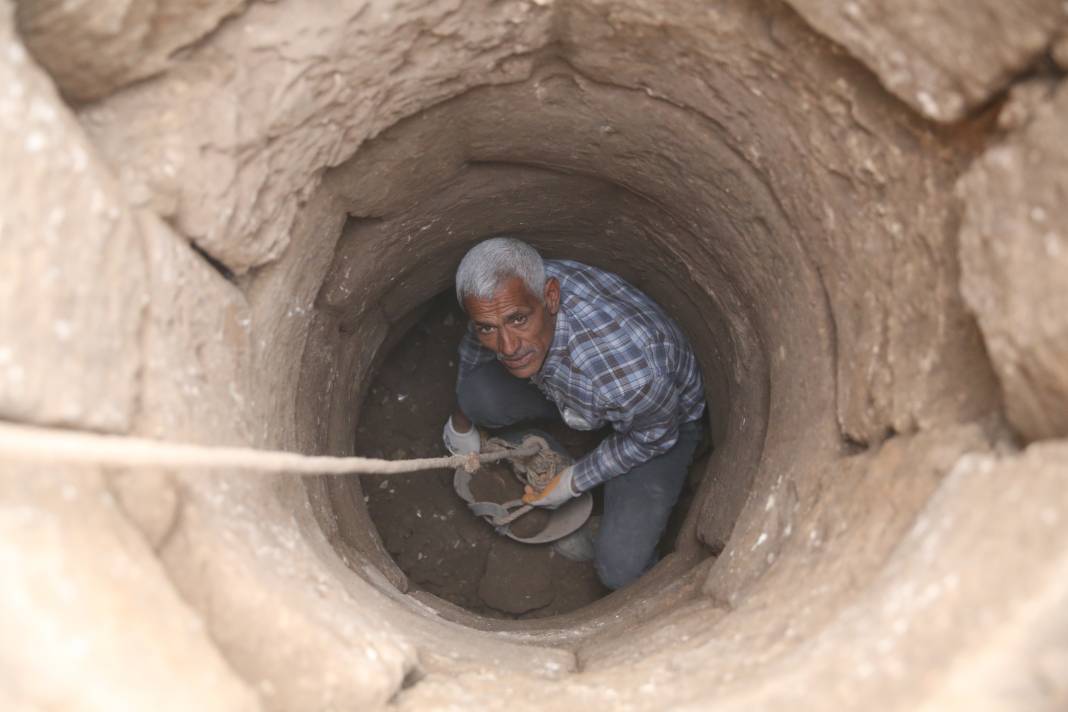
(73, 291)
(93, 48)
(1014, 258)
(1059, 53)
(88, 617)
(150, 499)
(1025, 99)
(942, 59)
(517, 588)
(233, 187)
(197, 346)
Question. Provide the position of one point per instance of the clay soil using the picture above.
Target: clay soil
(427, 529)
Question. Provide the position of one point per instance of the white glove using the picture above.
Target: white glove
(557, 492)
(461, 443)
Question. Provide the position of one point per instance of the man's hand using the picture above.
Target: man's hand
(554, 494)
(461, 443)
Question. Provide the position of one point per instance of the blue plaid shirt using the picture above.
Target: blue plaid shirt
(617, 358)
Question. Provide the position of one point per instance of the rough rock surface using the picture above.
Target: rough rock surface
(88, 619)
(93, 48)
(502, 589)
(241, 163)
(943, 59)
(196, 343)
(885, 543)
(65, 229)
(1059, 52)
(888, 648)
(1014, 257)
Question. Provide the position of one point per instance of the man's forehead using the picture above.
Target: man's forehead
(490, 310)
(514, 288)
(511, 296)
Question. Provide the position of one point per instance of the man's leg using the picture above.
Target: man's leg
(492, 398)
(637, 505)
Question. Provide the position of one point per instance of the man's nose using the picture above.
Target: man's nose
(507, 344)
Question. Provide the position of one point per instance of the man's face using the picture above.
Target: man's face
(516, 325)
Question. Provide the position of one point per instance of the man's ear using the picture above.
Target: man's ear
(552, 295)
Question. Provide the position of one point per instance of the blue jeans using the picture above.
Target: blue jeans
(637, 503)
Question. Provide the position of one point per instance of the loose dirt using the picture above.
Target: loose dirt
(498, 483)
(427, 529)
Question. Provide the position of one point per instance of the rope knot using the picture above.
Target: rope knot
(471, 462)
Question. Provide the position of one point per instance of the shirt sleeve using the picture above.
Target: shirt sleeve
(472, 354)
(646, 423)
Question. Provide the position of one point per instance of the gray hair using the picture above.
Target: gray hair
(491, 262)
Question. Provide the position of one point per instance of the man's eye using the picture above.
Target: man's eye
(484, 329)
(519, 319)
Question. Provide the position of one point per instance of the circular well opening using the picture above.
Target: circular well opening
(423, 192)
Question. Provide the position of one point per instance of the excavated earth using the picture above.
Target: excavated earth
(219, 219)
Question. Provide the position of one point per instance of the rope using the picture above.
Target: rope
(53, 446)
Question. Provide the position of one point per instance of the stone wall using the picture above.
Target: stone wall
(217, 214)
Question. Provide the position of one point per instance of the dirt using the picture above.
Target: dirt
(518, 577)
(427, 529)
(498, 483)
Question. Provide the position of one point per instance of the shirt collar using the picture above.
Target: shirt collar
(557, 349)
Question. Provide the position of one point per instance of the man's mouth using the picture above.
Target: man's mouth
(519, 361)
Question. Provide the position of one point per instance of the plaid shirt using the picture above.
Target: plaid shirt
(617, 358)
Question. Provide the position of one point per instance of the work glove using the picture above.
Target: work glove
(461, 443)
(558, 491)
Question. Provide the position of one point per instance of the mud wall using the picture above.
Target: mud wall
(215, 220)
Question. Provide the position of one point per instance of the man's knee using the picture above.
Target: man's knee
(479, 400)
(616, 567)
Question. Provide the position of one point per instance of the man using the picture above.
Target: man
(559, 338)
